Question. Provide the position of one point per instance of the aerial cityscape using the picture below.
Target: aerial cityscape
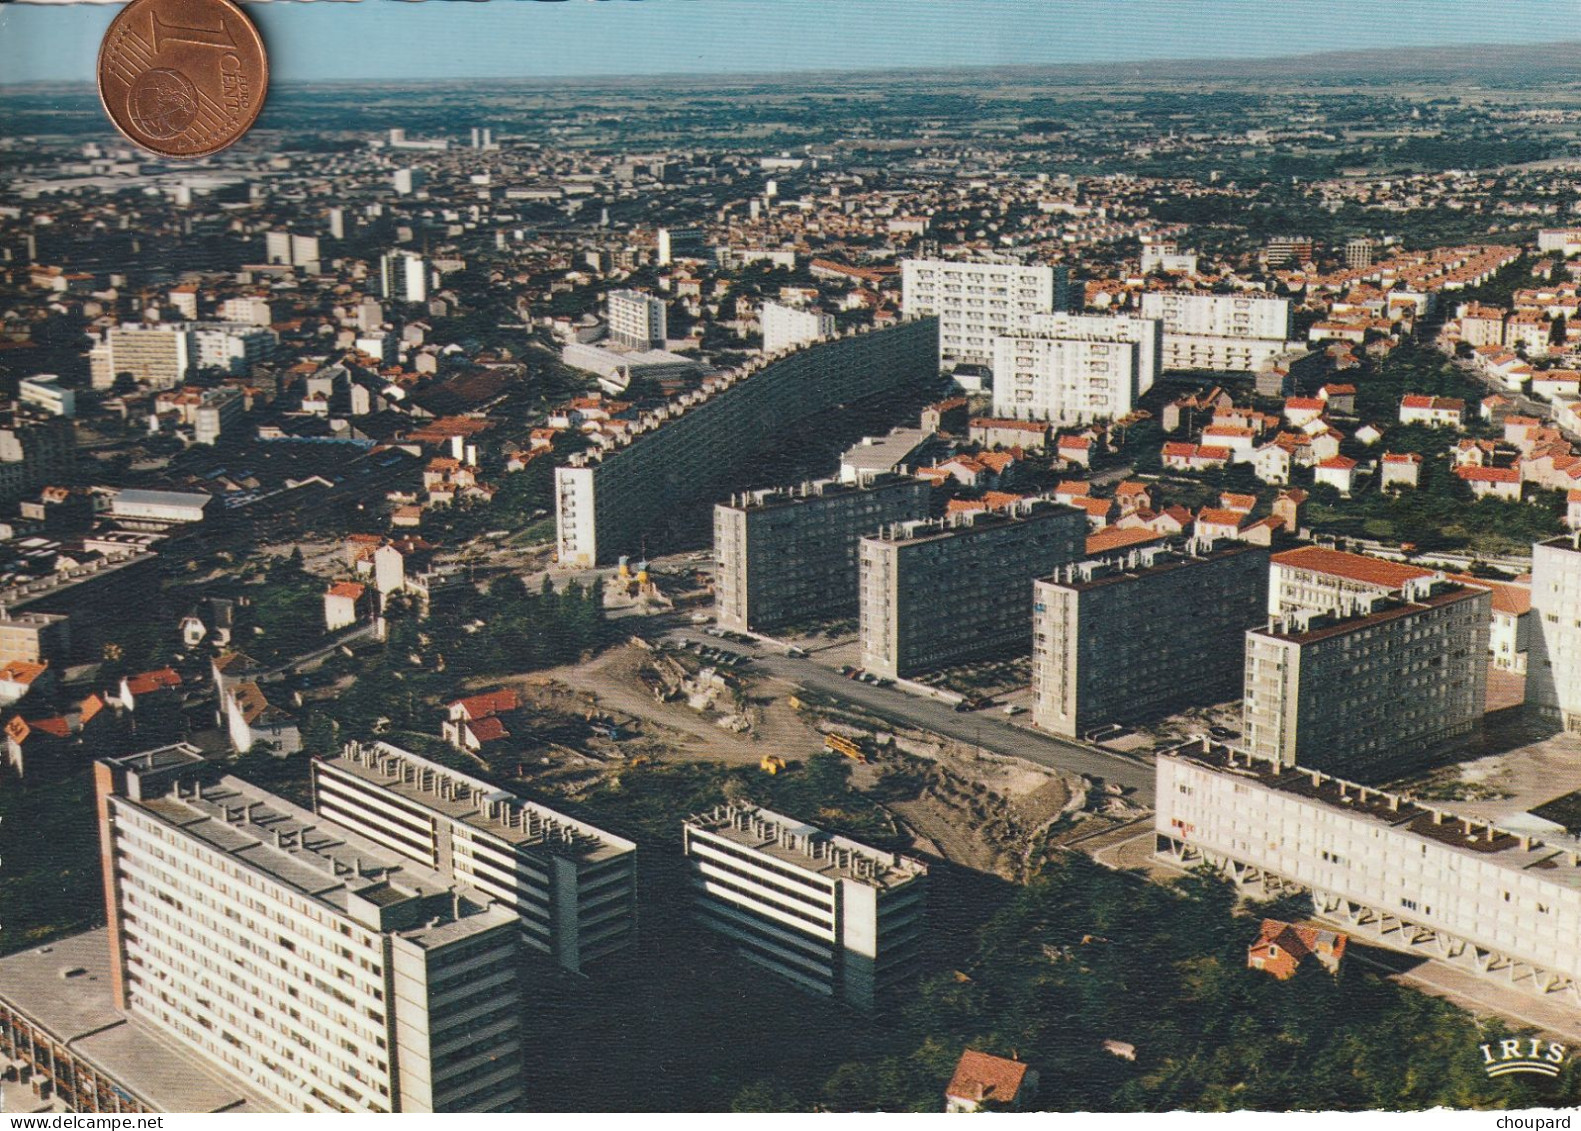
(1051, 586)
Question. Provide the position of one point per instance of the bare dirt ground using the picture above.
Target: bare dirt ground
(967, 805)
(610, 683)
(977, 809)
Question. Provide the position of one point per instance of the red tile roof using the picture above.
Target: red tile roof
(1489, 474)
(1216, 516)
(488, 703)
(488, 730)
(981, 1077)
(1118, 538)
(148, 682)
(1355, 567)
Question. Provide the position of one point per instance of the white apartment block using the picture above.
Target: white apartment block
(786, 327)
(1134, 636)
(975, 302)
(938, 592)
(1234, 332)
(44, 392)
(637, 320)
(681, 243)
(325, 971)
(699, 446)
(1503, 905)
(784, 556)
(1073, 369)
(825, 912)
(571, 886)
(232, 348)
(158, 356)
(1168, 258)
(403, 277)
(1372, 691)
(1553, 672)
(249, 310)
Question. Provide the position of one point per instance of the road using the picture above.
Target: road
(987, 729)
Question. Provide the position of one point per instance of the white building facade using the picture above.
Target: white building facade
(975, 302)
(1072, 369)
(1503, 905)
(825, 912)
(786, 327)
(1233, 332)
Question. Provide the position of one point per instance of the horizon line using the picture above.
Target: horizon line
(1226, 61)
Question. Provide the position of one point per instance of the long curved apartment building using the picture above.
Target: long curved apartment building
(695, 448)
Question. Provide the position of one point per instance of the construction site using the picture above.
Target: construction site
(673, 704)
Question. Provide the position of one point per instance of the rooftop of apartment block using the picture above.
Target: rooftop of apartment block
(806, 847)
(477, 803)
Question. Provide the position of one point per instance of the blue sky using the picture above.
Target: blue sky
(388, 39)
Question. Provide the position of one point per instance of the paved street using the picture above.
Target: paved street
(987, 729)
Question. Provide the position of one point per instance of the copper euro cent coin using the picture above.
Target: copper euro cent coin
(182, 78)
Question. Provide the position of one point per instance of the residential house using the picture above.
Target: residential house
(1499, 482)
(346, 603)
(1435, 412)
(1399, 469)
(1338, 472)
(983, 1081)
(472, 723)
(1340, 398)
(251, 720)
(1281, 947)
(1216, 524)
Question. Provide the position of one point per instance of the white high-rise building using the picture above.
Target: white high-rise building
(158, 356)
(337, 223)
(291, 250)
(249, 310)
(572, 886)
(277, 248)
(787, 326)
(408, 181)
(681, 243)
(323, 969)
(1234, 332)
(1553, 671)
(403, 277)
(829, 914)
(975, 302)
(1076, 368)
(637, 320)
(232, 348)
